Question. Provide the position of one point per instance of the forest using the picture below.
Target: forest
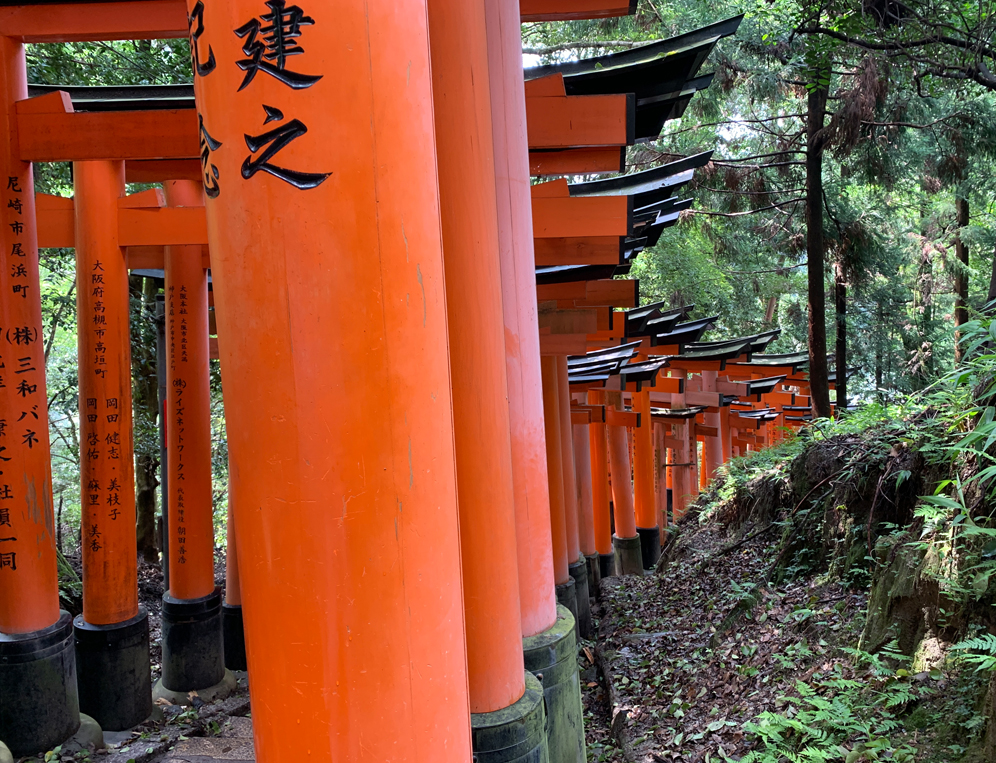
(827, 599)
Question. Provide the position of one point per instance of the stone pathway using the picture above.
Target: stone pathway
(234, 742)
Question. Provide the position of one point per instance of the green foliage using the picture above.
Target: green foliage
(985, 645)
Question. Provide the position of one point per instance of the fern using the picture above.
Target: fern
(986, 643)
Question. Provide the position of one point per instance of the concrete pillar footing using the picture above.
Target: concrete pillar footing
(606, 566)
(629, 555)
(579, 572)
(220, 690)
(235, 637)
(193, 643)
(650, 546)
(567, 597)
(113, 672)
(552, 657)
(514, 734)
(39, 706)
(594, 576)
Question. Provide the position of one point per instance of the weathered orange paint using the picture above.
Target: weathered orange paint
(580, 121)
(29, 594)
(571, 498)
(555, 466)
(158, 170)
(469, 213)
(581, 216)
(534, 546)
(619, 463)
(577, 161)
(107, 135)
(66, 22)
(107, 471)
(137, 227)
(600, 491)
(188, 412)
(582, 470)
(643, 463)
(330, 306)
(561, 10)
(713, 444)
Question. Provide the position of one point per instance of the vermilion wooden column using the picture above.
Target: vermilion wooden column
(555, 466)
(327, 265)
(43, 686)
(578, 567)
(468, 208)
(110, 577)
(586, 526)
(660, 475)
(29, 597)
(549, 653)
(188, 411)
(522, 350)
(713, 443)
(600, 491)
(193, 631)
(725, 438)
(111, 613)
(643, 482)
(626, 541)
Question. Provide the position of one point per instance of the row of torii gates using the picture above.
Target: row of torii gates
(436, 411)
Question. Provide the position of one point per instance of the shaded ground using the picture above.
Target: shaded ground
(221, 729)
(690, 654)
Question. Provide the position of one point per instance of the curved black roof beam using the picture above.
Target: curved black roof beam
(122, 97)
(637, 183)
(642, 54)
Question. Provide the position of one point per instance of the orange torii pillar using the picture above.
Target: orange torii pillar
(601, 496)
(725, 435)
(626, 541)
(326, 254)
(231, 611)
(506, 704)
(647, 526)
(548, 630)
(566, 585)
(661, 472)
(713, 444)
(193, 641)
(112, 634)
(577, 566)
(38, 700)
(586, 526)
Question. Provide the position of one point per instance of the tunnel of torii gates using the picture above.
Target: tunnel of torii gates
(447, 413)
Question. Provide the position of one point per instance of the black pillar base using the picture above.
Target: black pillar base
(607, 565)
(594, 576)
(235, 637)
(670, 506)
(515, 734)
(193, 646)
(567, 597)
(650, 545)
(113, 671)
(39, 707)
(629, 555)
(552, 657)
(579, 572)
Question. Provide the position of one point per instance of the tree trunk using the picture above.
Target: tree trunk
(816, 254)
(840, 302)
(145, 399)
(879, 326)
(960, 275)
